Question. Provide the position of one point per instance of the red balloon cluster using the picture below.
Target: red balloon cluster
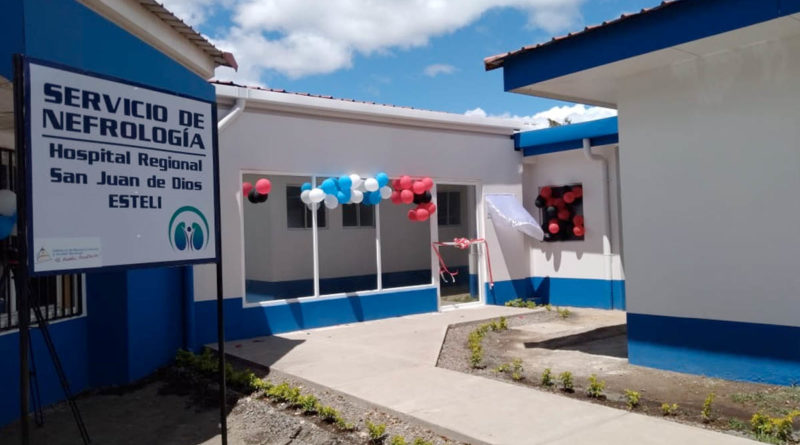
(410, 191)
(259, 193)
(562, 208)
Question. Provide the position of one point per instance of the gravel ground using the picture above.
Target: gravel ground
(734, 404)
(166, 410)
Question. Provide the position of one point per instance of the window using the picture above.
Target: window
(449, 208)
(358, 215)
(298, 216)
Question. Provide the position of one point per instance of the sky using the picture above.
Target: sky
(424, 54)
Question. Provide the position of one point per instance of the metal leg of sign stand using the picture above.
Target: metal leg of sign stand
(36, 396)
(62, 376)
(223, 420)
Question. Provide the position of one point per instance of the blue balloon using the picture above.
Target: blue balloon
(328, 186)
(383, 179)
(375, 198)
(305, 186)
(7, 225)
(343, 197)
(345, 183)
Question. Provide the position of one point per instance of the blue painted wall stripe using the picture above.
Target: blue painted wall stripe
(567, 137)
(681, 22)
(725, 349)
(578, 292)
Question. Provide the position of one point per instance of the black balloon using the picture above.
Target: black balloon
(262, 198)
(540, 201)
(426, 197)
(551, 212)
(253, 196)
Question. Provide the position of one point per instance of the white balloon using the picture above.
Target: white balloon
(386, 192)
(312, 206)
(371, 184)
(305, 197)
(356, 180)
(316, 195)
(8, 203)
(331, 202)
(356, 196)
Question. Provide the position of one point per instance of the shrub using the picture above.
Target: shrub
(547, 377)
(285, 393)
(398, 440)
(669, 410)
(632, 398)
(563, 313)
(549, 307)
(505, 367)
(768, 428)
(376, 431)
(421, 441)
(328, 413)
(475, 340)
(596, 387)
(705, 414)
(308, 403)
(566, 381)
(516, 369)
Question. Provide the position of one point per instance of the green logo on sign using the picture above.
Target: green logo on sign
(185, 230)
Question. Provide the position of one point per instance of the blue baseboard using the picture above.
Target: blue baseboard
(578, 292)
(286, 316)
(730, 350)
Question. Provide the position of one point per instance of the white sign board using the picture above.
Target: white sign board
(118, 174)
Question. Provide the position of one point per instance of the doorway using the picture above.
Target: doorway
(459, 283)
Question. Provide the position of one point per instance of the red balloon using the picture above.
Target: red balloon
(405, 182)
(553, 227)
(418, 187)
(558, 202)
(407, 196)
(563, 215)
(396, 184)
(396, 197)
(263, 186)
(546, 192)
(422, 215)
(569, 197)
(578, 230)
(430, 207)
(246, 187)
(577, 191)
(412, 214)
(578, 220)
(550, 202)
(428, 183)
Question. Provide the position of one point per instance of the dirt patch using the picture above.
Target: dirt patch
(174, 407)
(594, 342)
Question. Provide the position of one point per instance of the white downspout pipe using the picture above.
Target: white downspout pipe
(607, 255)
(237, 109)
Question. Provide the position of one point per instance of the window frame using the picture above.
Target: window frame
(359, 209)
(307, 218)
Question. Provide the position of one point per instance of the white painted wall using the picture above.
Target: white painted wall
(575, 259)
(272, 137)
(710, 163)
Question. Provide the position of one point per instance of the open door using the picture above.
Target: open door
(459, 277)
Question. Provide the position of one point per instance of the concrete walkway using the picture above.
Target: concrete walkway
(391, 364)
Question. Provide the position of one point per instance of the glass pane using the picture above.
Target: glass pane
(347, 258)
(367, 215)
(460, 284)
(350, 216)
(405, 247)
(278, 242)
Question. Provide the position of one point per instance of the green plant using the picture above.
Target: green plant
(505, 367)
(736, 424)
(308, 403)
(777, 428)
(475, 340)
(285, 393)
(421, 441)
(547, 377)
(398, 440)
(516, 369)
(563, 313)
(705, 413)
(596, 387)
(566, 381)
(669, 410)
(376, 431)
(328, 413)
(632, 398)
(549, 307)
